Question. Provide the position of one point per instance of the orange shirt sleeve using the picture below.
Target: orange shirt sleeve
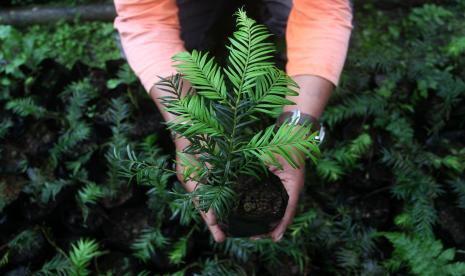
(150, 35)
(317, 38)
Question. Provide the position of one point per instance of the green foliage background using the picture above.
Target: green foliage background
(387, 196)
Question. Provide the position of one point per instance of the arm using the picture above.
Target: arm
(150, 35)
(317, 34)
(317, 37)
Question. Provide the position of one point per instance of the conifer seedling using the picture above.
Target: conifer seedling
(223, 115)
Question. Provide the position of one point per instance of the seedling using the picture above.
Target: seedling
(222, 115)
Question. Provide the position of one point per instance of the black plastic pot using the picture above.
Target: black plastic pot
(260, 207)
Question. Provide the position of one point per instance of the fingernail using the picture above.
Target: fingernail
(279, 237)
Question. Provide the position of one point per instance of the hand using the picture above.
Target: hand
(293, 182)
(209, 217)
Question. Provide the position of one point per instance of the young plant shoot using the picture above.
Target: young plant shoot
(223, 115)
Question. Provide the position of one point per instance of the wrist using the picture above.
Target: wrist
(314, 93)
(297, 117)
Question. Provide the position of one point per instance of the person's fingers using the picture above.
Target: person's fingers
(289, 214)
(211, 222)
(209, 217)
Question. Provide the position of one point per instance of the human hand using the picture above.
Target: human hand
(209, 217)
(293, 181)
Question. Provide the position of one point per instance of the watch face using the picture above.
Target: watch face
(321, 134)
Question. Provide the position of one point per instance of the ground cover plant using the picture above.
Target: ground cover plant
(386, 197)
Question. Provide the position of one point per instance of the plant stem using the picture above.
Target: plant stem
(238, 100)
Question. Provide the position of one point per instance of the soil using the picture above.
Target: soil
(260, 207)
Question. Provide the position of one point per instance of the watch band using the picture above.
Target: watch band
(299, 118)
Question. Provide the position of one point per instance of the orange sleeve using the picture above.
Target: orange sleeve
(317, 38)
(150, 35)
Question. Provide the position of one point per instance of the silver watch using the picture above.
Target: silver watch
(297, 117)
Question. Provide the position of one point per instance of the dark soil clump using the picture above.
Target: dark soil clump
(259, 209)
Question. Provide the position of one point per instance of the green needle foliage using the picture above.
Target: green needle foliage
(75, 263)
(222, 113)
(393, 162)
(423, 256)
(150, 241)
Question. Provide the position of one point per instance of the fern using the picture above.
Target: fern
(76, 129)
(124, 76)
(118, 117)
(149, 241)
(422, 256)
(182, 206)
(5, 124)
(75, 263)
(82, 252)
(301, 223)
(203, 73)
(459, 188)
(357, 106)
(219, 198)
(271, 89)
(221, 114)
(179, 250)
(193, 117)
(287, 141)
(58, 265)
(89, 194)
(249, 54)
(26, 107)
(43, 190)
(329, 169)
(25, 241)
(5, 259)
(213, 267)
(238, 248)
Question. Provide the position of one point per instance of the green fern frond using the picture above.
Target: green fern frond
(5, 124)
(203, 73)
(118, 114)
(213, 267)
(289, 141)
(82, 252)
(148, 172)
(5, 259)
(125, 75)
(271, 90)
(249, 54)
(422, 255)
(302, 222)
(25, 107)
(58, 265)
(219, 198)
(348, 155)
(76, 129)
(182, 206)
(179, 251)
(192, 168)
(238, 248)
(357, 106)
(458, 185)
(89, 194)
(194, 117)
(329, 169)
(348, 259)
(68, 140)
(148, 242)
(50, 189)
